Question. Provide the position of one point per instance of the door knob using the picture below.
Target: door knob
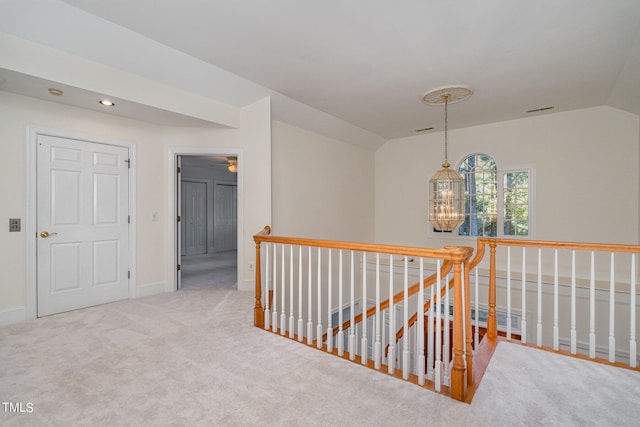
(46, 234)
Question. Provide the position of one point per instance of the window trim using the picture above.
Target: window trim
(500, 173)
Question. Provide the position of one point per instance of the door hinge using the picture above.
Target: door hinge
(129, 274)
(129, 219)
(128, 162)
(178, 169)
(178, 267)
(178, 218)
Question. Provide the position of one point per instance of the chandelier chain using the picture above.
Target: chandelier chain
(446, 96)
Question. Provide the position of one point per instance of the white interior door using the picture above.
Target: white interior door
(226, 216)
(83, 230)
(194, 209)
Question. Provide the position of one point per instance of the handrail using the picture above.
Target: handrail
(584, 246)
(449, 253)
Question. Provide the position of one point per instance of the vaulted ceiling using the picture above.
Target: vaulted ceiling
(368, 63)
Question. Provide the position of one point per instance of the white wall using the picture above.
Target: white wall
(152, 144)
(586, 175)
(253, 140)
(322, 187)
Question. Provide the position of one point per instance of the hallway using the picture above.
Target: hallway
(210, 270)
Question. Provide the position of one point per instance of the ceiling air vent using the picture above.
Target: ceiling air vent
(540, 109)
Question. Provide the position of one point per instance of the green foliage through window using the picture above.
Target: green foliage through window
(485, 197)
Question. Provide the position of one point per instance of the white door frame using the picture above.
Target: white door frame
(31, 208)
(174, 152)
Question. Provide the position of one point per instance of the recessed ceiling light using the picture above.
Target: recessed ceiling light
(540, 109)
(107, 103)
(55, 92)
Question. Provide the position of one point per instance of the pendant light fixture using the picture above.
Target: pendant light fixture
(233, 164)
(446, 187)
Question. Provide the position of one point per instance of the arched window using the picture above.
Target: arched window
(498, 203)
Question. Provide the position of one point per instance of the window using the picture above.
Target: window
(497, 203)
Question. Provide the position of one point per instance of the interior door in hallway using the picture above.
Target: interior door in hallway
(82, 224)
(194, 209)
(226, 216)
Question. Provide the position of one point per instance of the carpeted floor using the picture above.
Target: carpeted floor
(217, 269)
(193, 358)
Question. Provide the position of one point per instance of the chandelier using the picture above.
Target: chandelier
(446, 187)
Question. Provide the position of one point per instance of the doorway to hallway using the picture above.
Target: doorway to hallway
(207, 226)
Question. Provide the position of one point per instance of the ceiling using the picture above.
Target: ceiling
(369, 63)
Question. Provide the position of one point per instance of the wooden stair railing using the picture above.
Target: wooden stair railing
(414, 318)
(461, 374)
(413, 289)
(431, 280)
(610, 287)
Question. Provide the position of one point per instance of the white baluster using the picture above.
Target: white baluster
(573, 302)
(446, 357)
(592, 309)
(612, 311)
(274, 322)
(300, 321)
(352, 314)
(405, 338)
(383, 333)
(283, 316)
(292, 319)
(391, 355)
(363, 342)
(310, 310)
(329, 312)
(420, 320)
(267, 308)
(430, 332)
(319, 327)
(633, 360)
(556, 327)
(377, 350)
(340, 320)
(509, 292)
(539, 321)
(438, 361)
(523, 322)
(476, 336)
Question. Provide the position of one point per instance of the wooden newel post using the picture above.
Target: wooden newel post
(258, 312)
(492, 324)
(468, 329)
(458, 378)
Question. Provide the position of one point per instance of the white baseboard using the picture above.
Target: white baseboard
(19, 314)
(13, 315)
(151, 289)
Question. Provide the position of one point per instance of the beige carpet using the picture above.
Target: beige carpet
(193, 358)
